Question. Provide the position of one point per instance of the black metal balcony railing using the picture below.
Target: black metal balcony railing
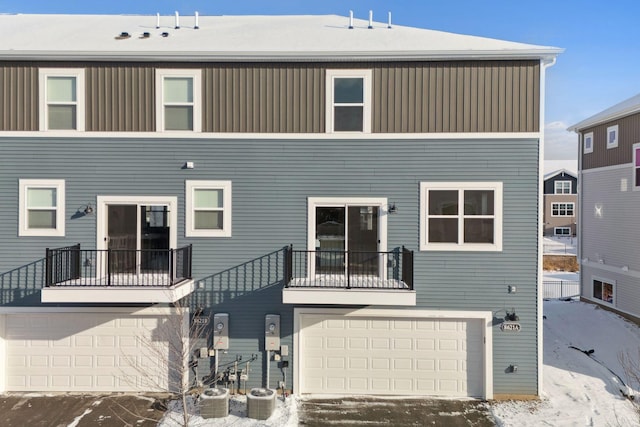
(349, 269)
(73, 266)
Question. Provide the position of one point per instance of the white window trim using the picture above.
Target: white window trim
(556, 187)
(367, 98)
(23, 223)
(196, 75)
(603, 280)
(190, 187)
(611, 129)
(78, 73)
(497, 188)
(588, 136)
(555, 231)
(573, 209)
(635, 148)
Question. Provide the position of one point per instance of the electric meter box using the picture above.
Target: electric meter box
(272, 332)
(221, 331)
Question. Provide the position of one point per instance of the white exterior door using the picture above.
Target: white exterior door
(391, 356)
(85, 352)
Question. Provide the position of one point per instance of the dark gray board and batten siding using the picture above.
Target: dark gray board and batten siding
(272, 179)
(408, 97)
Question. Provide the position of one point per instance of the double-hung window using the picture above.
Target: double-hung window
(562, 187)
(562, 209)
(61, 93)
(42, 207)
(588, 142)
(464, 216)
(348, 101)
(612, 136)
(179, 96)
(208, 208)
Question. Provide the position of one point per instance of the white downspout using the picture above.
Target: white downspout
(544, 64)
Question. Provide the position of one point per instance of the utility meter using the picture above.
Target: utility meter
(221, 331)
(272, 332)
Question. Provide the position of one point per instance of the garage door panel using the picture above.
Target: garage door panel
(391, 356)
(83, 352)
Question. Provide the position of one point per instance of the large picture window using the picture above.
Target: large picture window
(461, 216)
(348, 100)
(562, 209)
(178, 106)
(41, 211)
(61, 99)
(208, 208)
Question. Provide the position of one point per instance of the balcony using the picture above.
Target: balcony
(75, 275)
(349, 277)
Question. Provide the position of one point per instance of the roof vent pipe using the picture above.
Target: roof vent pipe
(370, 19)
(177, 20)
(195, 27)
(351, 19)
(157, 20)
(389, 24)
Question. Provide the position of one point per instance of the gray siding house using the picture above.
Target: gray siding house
(560, 203)
(358, 206)
(609, 169)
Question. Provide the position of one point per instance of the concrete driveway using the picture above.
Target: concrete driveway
(57, 410)
(359, 411)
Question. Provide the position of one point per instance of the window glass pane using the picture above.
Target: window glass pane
(62, 116)
(478, 230)
(638, 177)
(61, 89)
(348, 119)
(178, 117)
(41, 197)
(348, 90)
(178, 89)
(207, 198)
(42, 219)
(208, 220)
(478, 202)
(597, 289)
(443, 202)
(637, 156)
(607, 292)
(443, 230)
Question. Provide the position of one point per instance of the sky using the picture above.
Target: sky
(598, 69)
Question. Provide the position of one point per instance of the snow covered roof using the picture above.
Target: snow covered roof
(558, 172)
(624, 108)
(282, 38)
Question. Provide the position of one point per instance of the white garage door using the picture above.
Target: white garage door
(391, 356)
(84, 352)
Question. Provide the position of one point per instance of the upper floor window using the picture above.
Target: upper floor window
(208, 209)
(41, 210)
(348, 101)
(464, 216)
(61, 93)
(588, 142)
(612, 136)
(178, 94)
(562, 187)
(562, 209)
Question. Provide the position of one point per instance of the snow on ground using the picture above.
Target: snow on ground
(579, 390)
(559, 245)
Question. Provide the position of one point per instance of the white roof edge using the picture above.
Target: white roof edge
(542, 54)
(621, 109)
(558, 172)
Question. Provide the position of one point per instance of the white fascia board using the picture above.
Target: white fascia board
(198, 56)
(349, 297)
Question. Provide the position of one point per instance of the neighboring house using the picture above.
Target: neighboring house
(609, 165)
(560, 202)
(346, 198)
